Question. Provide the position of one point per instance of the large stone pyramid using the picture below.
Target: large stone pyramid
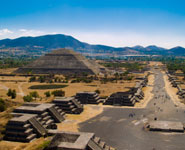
(61, 61)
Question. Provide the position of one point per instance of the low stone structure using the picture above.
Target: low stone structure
(179, 85)
(76, 141)
(165, 126)
(68, 104)
(88, 97)
(24, 128)
(130, 97)
(48, 114)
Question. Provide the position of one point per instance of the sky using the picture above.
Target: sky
(116, 23)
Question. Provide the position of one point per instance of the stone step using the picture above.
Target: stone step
(107, 147)
(102, 144)
(31, 137)
(96, 140)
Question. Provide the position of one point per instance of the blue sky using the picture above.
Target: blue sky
(111, 22)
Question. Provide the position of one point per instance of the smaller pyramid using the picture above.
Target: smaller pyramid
(61, 61)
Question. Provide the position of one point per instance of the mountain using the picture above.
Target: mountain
(42, 44)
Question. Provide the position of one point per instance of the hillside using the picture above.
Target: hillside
(41, 44)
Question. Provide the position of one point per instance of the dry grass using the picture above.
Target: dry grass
(72, 121)
(71, 90)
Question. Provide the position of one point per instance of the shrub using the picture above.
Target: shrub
(27, 98)
(43, 145)
(58, 93)
(48, 94)
(13, 95)
(34, 94)
(9, 92)
(42, 79)
(32, 79)
(97, 91)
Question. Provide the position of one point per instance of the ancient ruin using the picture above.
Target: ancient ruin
(88, 97)
(165, 126)
(76, 141)
(24, 128)
(130, 97)
(47, 113)
(179, 85)
(68, 104)
(62, 61)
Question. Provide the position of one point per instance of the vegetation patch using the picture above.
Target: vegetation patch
(43, 145)
(48, 86)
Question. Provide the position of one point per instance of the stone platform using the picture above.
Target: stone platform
(166, 126)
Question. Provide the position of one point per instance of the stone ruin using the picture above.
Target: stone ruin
(69, 105)
(128, 98)
(61, 61)
(47, 113)
(165, 126)
(76, 141)
(88, 97)
(179, 85)
(24, 128)
(32, 120)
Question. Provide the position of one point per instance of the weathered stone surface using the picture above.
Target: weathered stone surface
(62, 61)
(166, 126)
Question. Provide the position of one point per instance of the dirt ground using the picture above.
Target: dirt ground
(147, 92)
(172, 92)
(21, 85)
(72, 121)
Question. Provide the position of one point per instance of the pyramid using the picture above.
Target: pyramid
(61, 61)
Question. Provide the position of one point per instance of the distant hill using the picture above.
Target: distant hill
(42, 44)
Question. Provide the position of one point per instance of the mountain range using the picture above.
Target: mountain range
(42, 44)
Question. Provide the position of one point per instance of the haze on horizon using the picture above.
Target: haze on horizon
(116, 23)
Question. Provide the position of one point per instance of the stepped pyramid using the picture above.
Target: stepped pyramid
(61, 61)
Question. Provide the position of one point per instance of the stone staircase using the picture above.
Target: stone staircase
(69, 105)
(38, 127)
(97, 144)
(23, 128)
(88, 98)
(57, 114)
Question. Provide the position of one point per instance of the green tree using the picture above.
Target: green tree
(97, 91)
(9, 92)
(58, 93)
(27, 98)
(47, 94)
(13, 94)
(34, 94)
(32, 79)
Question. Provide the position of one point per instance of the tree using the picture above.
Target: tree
(48, 94)
(32, 79)
(58, 93)
(42, 79)
(27, 98)
(13, 94)
(34, 94)
(9, 92)
(97, 91)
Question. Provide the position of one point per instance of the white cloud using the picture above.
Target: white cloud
(26, 32)
(117, 39)
(5, 32)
